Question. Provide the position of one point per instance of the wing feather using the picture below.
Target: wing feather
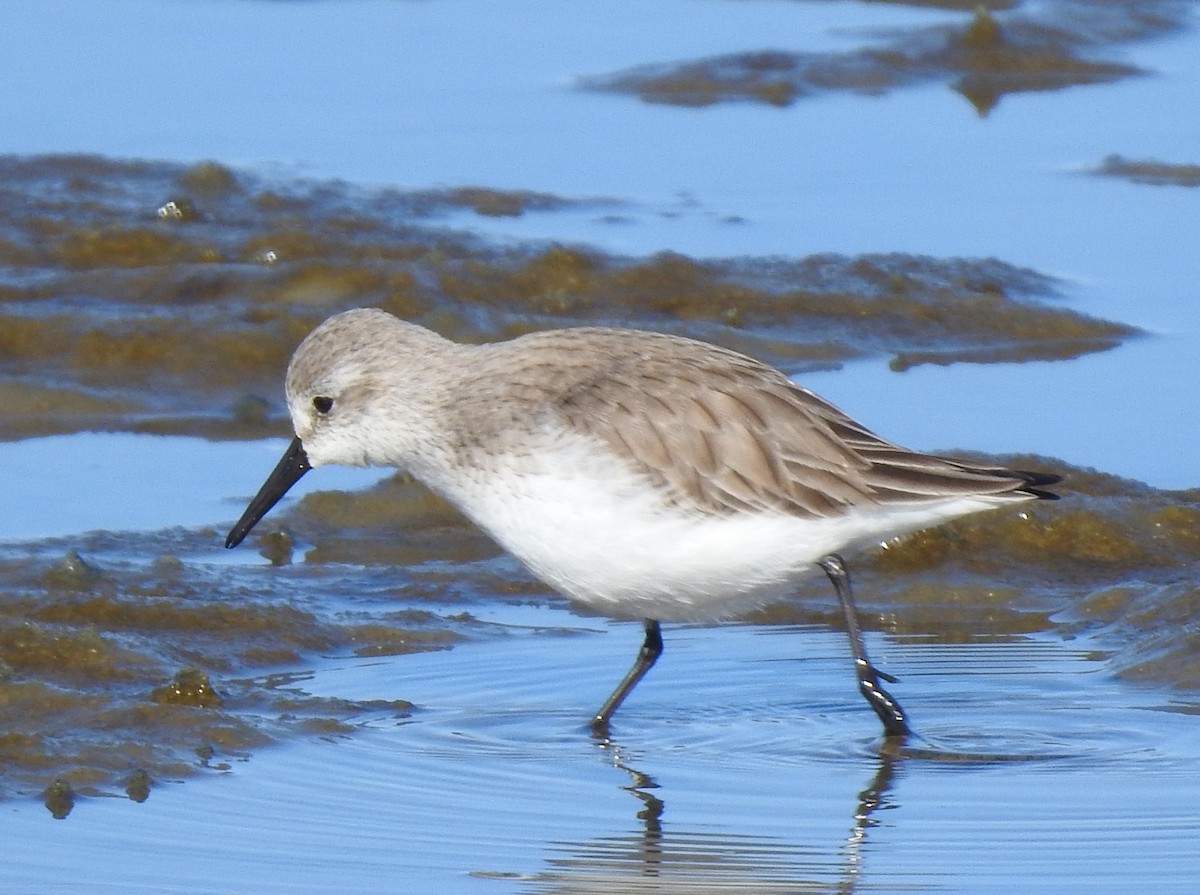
(723, 433)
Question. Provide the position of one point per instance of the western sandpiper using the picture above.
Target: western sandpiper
(643, 475)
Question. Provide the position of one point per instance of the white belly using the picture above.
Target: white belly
(603, 536)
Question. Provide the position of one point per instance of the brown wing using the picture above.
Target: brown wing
(725, 433)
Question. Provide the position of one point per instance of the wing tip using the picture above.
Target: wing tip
(1032, 483)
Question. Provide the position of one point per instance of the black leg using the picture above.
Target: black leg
(895, 724)
(652, 648)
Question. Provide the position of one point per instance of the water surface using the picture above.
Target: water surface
(400, 706)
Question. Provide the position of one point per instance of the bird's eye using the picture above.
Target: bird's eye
(322, 404)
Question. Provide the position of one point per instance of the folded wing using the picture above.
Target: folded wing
(724, 434)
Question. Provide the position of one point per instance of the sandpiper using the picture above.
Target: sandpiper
(643, 475)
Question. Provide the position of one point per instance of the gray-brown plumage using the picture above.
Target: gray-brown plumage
(721, 432)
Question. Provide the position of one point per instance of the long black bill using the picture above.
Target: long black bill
(289, 470)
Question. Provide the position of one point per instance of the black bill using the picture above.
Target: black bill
(289, 470)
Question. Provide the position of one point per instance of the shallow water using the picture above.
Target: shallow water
(915, 171)
(743, 763)
(745, 759)
(401, 707)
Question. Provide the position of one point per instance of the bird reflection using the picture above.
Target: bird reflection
(871, 800)
(652, 859)
(651, 817)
